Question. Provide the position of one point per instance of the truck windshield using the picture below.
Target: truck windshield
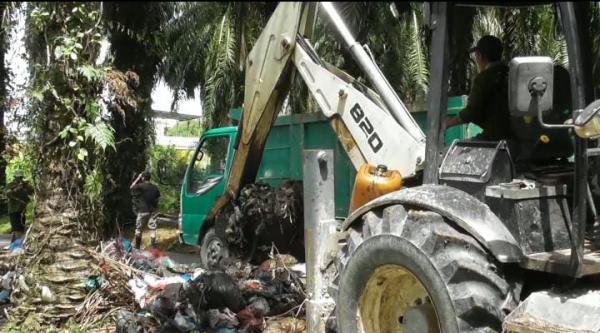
(209, 164)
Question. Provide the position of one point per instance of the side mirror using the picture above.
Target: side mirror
(530, 86)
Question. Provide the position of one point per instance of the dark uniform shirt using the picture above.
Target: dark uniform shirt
(145, 197)
(488, 103)
(18, 194)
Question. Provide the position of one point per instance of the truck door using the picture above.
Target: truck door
(204, 182)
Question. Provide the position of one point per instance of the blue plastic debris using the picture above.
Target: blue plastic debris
(4, 296)
(126, 244)
(17, 244)
(95, 282)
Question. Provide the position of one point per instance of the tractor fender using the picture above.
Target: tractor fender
(472, 215)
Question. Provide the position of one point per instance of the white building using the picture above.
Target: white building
(186, 109)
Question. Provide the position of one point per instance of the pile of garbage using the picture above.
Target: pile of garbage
(263, 216)
(238, 297)
(8, 274)
(6, 279)
(64, 277)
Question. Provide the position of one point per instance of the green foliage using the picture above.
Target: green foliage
(70, 135)
(399, 46)
(524, 31)
(170, 184)
(21, 158)
(219, 35)
(23, 161)
(100, 133)
(90, 73)
(136, 49)
(417, 59)
(188, 128)
(93, 185)
(5, 227)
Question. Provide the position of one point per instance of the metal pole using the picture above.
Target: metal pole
(438, 91)
(389, 96)
(320, 230)
(581, 95)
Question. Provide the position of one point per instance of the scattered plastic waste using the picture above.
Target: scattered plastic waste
(7, 280)
(95, 282)
(4, 296)
(16, 246)
(184, 323)
(239, 297)
(235, 300)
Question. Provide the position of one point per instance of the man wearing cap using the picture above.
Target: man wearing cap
(145, 197)
(18, 194)
(487, 106)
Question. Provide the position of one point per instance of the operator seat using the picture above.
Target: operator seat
(528, 151)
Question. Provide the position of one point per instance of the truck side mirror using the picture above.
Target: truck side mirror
(530, 86)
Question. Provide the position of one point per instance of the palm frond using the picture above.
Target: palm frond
(101, 134)
(416, 58)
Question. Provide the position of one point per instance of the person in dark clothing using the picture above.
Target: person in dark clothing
(18, 194)
(487, 106)
(145, 196)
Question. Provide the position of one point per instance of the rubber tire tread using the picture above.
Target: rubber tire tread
(464, 281)
(208, 236)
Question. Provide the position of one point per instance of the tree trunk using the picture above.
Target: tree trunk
(58, 257)
(3, 102)
(133, 132)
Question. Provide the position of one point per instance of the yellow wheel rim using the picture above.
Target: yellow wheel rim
(390, 292)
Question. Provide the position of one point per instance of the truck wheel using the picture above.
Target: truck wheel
(412, 272)
(213, 249)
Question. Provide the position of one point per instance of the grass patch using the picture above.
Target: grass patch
(4, 224)
(167, 236)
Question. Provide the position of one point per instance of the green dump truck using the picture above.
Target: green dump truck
(208, 171)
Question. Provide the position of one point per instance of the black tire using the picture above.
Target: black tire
(209, 255)
(466, 286)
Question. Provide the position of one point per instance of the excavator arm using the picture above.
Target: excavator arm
(373, 128)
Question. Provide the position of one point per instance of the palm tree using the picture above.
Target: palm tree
(461, 39)
(208, 44)
(4, 77)
(69, 135)
(135, 49)
(399, 47)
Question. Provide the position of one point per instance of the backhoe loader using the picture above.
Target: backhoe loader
(489, 225)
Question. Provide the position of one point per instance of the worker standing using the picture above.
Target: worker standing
(18, 194)
(487, 106)
(145, 196)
